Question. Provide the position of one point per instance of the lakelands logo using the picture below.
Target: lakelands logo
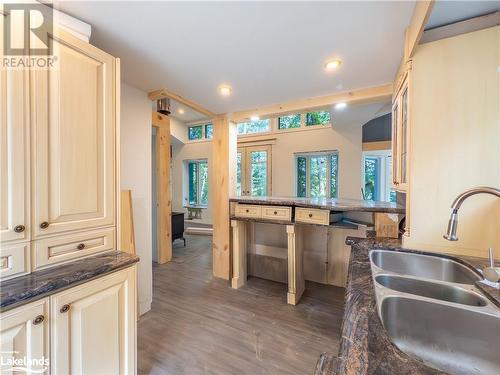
(26, 36)
(10, 363)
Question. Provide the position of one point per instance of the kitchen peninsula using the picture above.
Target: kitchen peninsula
(290, 239)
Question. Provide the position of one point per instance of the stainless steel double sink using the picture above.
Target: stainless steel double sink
(431, 310)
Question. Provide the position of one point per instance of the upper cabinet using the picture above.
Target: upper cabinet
(401, 130)
(73, 139)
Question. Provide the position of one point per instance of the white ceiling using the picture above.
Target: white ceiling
(359, 114)
(446, 12)
(269, 52)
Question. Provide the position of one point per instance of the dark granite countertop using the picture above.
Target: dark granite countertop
(40, 284)
(332, 204)
(365, 347)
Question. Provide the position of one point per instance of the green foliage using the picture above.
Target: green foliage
(301, 176)
(238, 174)
(195, 132)
(209, 131)
(318, 118)
(334, 169)
(371, 177)
(258, 126)
(198, 183)
(318, 176)
(289, 122)
(203, 182)
(258, 171)
(193, 183)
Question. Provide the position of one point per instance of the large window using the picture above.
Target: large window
(317, 174)
(377, 176)
(318, 118)
(197, 183)
(252, 127)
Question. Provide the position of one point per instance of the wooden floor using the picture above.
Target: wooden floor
(199, 325)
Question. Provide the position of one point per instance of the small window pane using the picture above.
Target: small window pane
(301, 176)
(203, 165)
(251, 127)
(371, 178)
(289, 122)
(209, 131)
(318, 176)
(317, 118)
(238, 174)
(334, 170)
(195, 132)
(258, 170)
(193, 183)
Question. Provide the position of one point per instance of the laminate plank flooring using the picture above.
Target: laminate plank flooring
(199, 325)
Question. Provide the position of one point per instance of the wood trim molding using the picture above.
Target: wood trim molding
(462, 27)
(164, 93)
(421, 14)
(367, 95)
(376, 146)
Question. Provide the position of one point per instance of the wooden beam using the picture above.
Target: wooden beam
(375, 146)
(223, 180)
(164, 93)
(367, 95)
(163, 186)
(421, 14)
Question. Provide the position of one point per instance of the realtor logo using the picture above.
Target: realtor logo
(26, 36)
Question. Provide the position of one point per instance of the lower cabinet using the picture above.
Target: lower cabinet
(24, 338)
(91, 328)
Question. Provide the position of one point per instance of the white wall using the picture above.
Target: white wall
(455, 142)
(135, 174)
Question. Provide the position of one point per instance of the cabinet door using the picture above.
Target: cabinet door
(14, 152)
(73, 139)
(24, 334)
(93, 327)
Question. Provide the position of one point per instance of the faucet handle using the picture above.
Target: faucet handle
(491, 273)
(490, 256)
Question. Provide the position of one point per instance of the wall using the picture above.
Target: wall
(135, 174)
(378, 129)
(455, 142)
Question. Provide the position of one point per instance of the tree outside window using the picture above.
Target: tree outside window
(197, 182)
(317, 174)
(257, 126)
(289, 122)
(195, 132)
(318, 118)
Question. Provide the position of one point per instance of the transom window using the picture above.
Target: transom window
(197, 132)
(317, 174)
(318, 118)
(197, 182)
(252, 127)
(289, 122)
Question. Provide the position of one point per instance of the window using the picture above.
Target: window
(195, 132)
(377, 176)
(197, 194)
(289, 122)
(209, 131)
(317, 174)
(318, 118)
(253, 172)
(257, 126)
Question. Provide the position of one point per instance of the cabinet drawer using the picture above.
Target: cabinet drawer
(277, 213)
(14, 260)
(312, 216)
(53, 250)
(248, 210)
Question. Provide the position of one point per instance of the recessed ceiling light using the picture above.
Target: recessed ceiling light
(339, 86)
(181, 111)
(255, 118)
(340, 105)
(333, 64)
(225, 90)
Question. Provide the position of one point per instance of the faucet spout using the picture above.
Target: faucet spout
(451, 233)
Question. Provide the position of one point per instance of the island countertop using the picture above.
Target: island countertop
(332, 204)
(39, 284)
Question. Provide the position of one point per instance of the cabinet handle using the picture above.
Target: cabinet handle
(19, 228)
(248, 210)
(310, 215)
(39, 319)
(276, 212)
(64, 309)
(44, 225)
(81, 246)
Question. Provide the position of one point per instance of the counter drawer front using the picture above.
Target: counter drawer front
(54, 250)
(248, 210)
(277, 213)
(14, 260)
(312, 216)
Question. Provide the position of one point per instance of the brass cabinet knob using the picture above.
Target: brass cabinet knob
(276, 212)
(44, 225)
(81, 246)
(64, 308)
(310, 215)
(39, 319)
(248, 210)
(19, 228)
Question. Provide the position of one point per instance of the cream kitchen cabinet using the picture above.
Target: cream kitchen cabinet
(73, 139)
(93, 329)
(24, 333)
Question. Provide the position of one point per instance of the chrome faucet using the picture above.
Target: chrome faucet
(451, 234)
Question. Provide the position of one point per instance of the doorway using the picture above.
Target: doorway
(254, 172)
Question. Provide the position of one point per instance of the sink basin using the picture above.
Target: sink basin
(426, 266)
(451, 339)
(443, 292)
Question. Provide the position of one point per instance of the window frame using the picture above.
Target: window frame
(308, 156)
(203, 125)
(187, 176)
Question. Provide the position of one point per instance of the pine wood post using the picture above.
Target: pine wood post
(223, 180)
(296, 282)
